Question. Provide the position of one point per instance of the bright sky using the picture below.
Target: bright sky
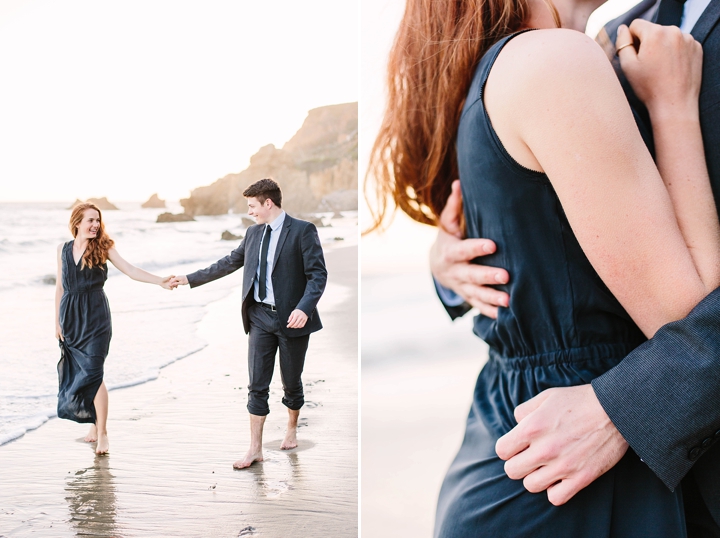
(404, 246)
(124, 99)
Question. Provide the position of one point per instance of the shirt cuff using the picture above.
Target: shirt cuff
(447, 296)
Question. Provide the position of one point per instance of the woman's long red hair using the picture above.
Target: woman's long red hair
(97, 250)
(431, 65)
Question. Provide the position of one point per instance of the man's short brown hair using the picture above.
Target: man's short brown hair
(264, 189)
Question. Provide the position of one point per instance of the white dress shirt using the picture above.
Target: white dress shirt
(275, 226)
(691, 13)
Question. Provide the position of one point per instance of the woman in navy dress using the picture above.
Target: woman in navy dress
(603, 247)
(83, 324)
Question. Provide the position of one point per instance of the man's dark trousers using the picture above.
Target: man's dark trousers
(265, 339)
(298, 281)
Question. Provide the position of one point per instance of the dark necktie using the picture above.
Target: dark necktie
(670, 12)
(263, 262)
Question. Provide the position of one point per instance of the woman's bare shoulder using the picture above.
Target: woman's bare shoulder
(548, 70)
(551, 56)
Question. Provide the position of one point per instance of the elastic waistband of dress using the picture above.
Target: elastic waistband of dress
(610, 352)
(89, 290)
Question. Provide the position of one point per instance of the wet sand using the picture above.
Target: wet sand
(173, 442)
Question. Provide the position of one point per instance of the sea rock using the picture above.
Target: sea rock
(49, 279)
(227, 235)
(345, 200)
(317, 221)
(247, 222)
(320, 159)
(154, 202)
(179, 217)
(103, 203)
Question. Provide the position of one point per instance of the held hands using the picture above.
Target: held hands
(664, 66)
(166, 283)
(176, 281)
(564, 440)
(450, 257)
(297, 319)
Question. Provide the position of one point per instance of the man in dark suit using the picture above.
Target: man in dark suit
(663, 400)
(284, 277)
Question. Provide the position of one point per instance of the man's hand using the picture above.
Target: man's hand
(564, 440)
(167, 283)
(180, 280)
(450, 257)
(297, 319)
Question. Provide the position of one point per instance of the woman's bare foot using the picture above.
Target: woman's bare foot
(91, 437)
(290, 440)
(251, 457)
(103, 445)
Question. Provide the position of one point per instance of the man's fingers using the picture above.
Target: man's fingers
(486, 310)
(560, 493)
(468, 249)
(451, 213)
(542, 478)
(479, 275)
(526, 462)
(525, 408)
(512, 443)
(484, 294)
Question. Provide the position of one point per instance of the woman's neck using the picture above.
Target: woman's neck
(81, 242)
(573, 14)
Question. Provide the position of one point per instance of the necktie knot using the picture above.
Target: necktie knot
(670, 12)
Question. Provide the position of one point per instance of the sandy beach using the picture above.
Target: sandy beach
(173, 442)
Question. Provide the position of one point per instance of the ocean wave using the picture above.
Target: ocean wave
(32, 423)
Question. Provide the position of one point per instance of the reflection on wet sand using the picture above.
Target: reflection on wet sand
(277, 474)
(92, 501)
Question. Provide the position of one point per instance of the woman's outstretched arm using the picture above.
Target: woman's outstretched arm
(558, 107)
(135, 272)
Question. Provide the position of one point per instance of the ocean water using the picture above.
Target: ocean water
(152, 327)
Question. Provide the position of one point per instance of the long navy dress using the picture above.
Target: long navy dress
(563, 327)
(86, 327)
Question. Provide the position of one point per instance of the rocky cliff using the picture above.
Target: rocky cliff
(321, 159)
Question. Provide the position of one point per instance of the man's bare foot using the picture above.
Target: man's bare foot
(290, 440)
(91, 437)
(103, 445)
(250, 458)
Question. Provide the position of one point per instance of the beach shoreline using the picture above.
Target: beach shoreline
(173, 442)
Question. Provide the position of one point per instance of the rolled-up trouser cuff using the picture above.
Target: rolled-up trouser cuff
(295, 404)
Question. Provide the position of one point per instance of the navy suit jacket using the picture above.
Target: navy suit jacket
(298, 275)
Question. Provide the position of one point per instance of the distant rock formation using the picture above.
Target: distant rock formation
(102, 203)
(169, 217)
(317, 221)
(247, 222)
(227, 235)
(319, 160)
(339, 201)
(154, 202)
